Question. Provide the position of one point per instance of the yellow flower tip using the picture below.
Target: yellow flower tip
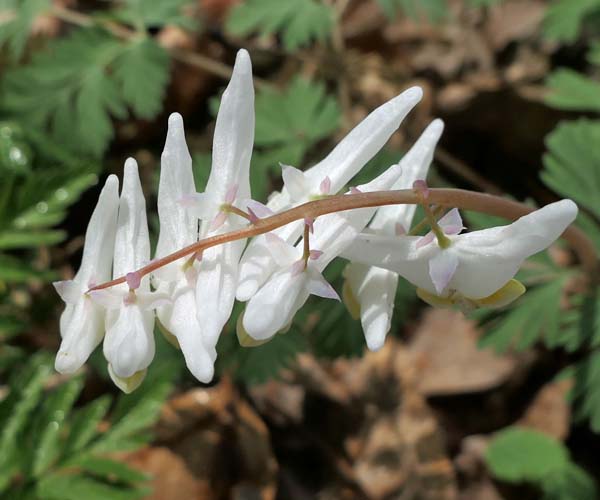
(500, 298)
(504, 296)
(350, 300)
(244, 337)
(434, 300)
(127, 384)
(169, 337)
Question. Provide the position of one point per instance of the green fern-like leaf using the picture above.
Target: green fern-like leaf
(519, 455)
(571, 90)
(16, 18)
(80, 83)
(572, 163)
(152, 14)
(298, 21)
(564, 18)
(289, 123)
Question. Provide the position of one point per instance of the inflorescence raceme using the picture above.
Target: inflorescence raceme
(204, 261)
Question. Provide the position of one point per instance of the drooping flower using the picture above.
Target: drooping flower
(371, 289)
(326, 177)
(82, 322)
(228, 185)
(474, 267)
(178, 320)
(129, 341)
(277, 301)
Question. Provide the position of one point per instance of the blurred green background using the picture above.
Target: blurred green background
(502, 405)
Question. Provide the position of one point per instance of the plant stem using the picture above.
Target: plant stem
(459, 198)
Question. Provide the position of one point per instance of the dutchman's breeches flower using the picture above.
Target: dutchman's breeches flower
(473, 267)
(276, 302)
(178, 320)
(198, 269)
(82, 322)
(328, 176)
(370, 291)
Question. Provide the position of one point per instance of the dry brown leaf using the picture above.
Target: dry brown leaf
(445, 346)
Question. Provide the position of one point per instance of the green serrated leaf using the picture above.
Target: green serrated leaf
(25, 392)
(73, 487)
(20, 239)
(564, 18)
(537, 315)
(110, 470)
(585, 394)
(298, 21)
(68, 87)
(572, 163)
(84, 425)
(142, 70)
(573, 91)
(518, 454)
(133, 414)
(289, 123)
(571, 483)
(16, 19)
(49, 423)
(146, 14)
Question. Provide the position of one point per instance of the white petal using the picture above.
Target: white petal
(108, 298)
(274, 305)
(200, 205)
(363, 142)
(295, 183)
(82, 329)
(234, 134)
(441, 269)
(132, 242)
(282, 252)
(178, 227)
(180, 319)
(215, 288)
(129, 341)
(415, 165)
(452, 222)
(96, 261)
(148, 301)
(70, 291)
(375, 290)
(317, 285)
(491, 257)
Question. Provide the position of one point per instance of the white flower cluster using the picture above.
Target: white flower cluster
(274, 273)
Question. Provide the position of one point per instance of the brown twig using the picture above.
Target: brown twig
(460, 198)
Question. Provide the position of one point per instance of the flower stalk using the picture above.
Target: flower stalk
(443, 197)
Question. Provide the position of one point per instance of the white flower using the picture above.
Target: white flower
(372, 290)
(129, 341)
(179, 228)
(228, 185)
(82, 322)
(475, 266)
(326, 177)
(277, 301)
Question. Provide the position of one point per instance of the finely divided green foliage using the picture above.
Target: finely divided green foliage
(564, 18)
(50, 451)
(16, 19)
(78, 84)
(290, 122)
(145, 14)
(572, 91)
(298, 21)
(572, 163)
(521, 455)
(425, 10)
